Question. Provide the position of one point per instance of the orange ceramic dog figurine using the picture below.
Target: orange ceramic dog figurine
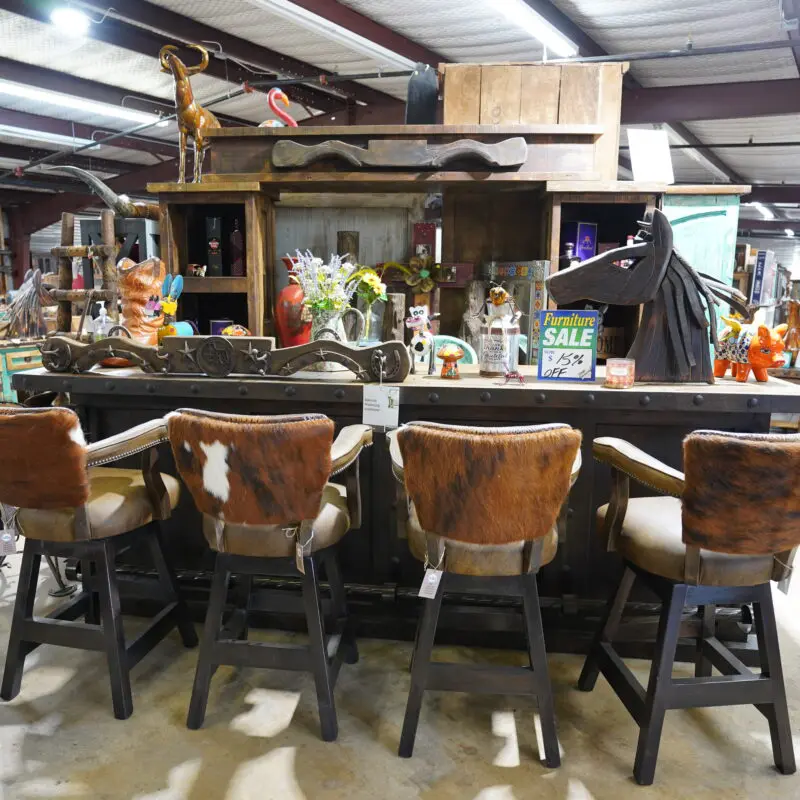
(749, 347)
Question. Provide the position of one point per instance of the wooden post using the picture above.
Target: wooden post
(64, 312)
(109, 262)
(259, 216)
(394, 317)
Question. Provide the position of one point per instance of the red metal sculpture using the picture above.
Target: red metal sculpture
(193, 120)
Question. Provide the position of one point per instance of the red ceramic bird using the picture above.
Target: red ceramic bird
(274, 96)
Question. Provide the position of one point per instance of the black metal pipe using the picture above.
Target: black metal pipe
(686, 52)
(725, 145)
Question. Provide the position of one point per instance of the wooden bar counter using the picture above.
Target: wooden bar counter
(381, 575)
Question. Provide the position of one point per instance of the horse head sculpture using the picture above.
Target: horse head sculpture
(672, 342)
(193, 120)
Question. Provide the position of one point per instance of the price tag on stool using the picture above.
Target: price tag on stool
(8, 542)
(430, 584)
(381, 405)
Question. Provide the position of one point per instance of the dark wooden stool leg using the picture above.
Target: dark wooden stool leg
(245, 594)
(777, 713)
(89, 581)
(708, 615)
(166, 573)
(614, 611)
(419, 671)
(111, 616)
(541, 676)
(23, 610)
(318, 652)
(205, 660)
(669, 624)
(339, 599)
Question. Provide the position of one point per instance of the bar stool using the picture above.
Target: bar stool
(69, 505)
(721, 533)
(262, 486)
(483, 505)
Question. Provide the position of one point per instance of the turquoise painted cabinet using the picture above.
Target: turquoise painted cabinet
(16, 357)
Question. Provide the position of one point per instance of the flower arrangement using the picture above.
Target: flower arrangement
(326, 287)
(369, 285)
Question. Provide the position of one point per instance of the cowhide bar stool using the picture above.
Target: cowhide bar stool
(483, 506)
(71, 506)
(719, 536)
(262, 486)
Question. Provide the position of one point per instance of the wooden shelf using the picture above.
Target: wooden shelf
(192, 285)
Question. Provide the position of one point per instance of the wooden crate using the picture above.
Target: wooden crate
(526, 94)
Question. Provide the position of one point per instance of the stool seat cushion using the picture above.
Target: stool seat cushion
(464, 558)
(272, 541)
(118, 502)
(651, 540)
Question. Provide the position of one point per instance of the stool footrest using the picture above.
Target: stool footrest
(162, 624)
(62, 633)
(480, 678)
(622, 680)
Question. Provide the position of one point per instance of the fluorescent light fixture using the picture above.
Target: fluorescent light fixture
(70, 21)
(523, 16)
(765, 212)
(43, 136)
(74, 103)
(313, 22)
(789, 231)
(697, 155)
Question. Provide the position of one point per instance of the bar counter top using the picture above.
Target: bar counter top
(726, 394)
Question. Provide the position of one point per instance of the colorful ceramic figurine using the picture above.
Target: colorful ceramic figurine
(499, 339)
(168, 305)
(749, 347)
(450, 355)
(193, 120)
(422, 342)
(273, 98)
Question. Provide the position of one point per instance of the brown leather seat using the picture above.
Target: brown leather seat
(464, 558)
(651, 539)
(118, 502)
(274, 541)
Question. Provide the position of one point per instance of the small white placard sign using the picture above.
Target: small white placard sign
(381, 405)
(650, 156)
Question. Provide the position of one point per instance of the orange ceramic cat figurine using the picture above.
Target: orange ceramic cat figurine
(749, 347)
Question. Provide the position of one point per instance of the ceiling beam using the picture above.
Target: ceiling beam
(589, 47)
(770, 225)
(38, 215)
(355, 22)
(147, 42)
(36, 180)
(25, 154)
(63, 127)
(187, 30)
(711, 101)
(773, 193)
(55, 81)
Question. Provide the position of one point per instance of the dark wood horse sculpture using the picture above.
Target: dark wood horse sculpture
(672, 342)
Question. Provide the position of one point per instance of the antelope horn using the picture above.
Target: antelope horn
(162, 52)
(121, 204)
(203, 59)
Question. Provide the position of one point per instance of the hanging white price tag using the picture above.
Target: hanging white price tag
(381, 405)
(298, 559)
(430, 583)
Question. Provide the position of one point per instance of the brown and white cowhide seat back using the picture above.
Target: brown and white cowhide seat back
(742, 492)
(253, 470)
(43, 461)
(488, 486)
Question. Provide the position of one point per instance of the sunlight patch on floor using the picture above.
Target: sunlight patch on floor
(180, 781)
(505, 727)
(270, 777)
(496, 793)
(271, 713)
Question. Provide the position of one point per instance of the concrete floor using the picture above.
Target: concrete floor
(58, 739)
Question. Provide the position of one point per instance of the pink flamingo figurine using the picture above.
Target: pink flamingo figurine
(273, 97)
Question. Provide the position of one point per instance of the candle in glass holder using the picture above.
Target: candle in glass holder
(620, 373)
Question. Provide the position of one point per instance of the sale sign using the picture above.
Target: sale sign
(567, 345)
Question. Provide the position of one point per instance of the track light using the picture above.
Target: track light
(789, 231)
(519, 13)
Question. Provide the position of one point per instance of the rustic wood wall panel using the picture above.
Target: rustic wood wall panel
(540, 91)
(580, 91)
(462, 96)
(500, 94)
(607, 146)
(384, 233)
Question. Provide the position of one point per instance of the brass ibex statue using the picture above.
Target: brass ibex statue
(193, 120)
